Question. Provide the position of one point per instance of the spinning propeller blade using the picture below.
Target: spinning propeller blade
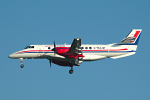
(50, 61)
(54, 49)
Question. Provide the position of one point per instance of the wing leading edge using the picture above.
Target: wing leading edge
(76, 46)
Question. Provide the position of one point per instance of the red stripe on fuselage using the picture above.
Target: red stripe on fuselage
(82, 50)
(33, 51)
(108, 50)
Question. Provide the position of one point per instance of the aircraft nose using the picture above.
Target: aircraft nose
(11, 56)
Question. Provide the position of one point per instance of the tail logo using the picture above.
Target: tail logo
(136, 36)
(133, 37)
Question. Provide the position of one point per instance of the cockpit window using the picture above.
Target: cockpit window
(26, 47)
(29, 47)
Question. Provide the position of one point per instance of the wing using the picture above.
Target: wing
(77, 51)
(76, 47)
(73, 56)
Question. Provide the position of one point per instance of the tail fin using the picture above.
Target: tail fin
(132, 38)
(130, 42)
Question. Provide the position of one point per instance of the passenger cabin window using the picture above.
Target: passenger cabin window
(82, 48)
(49, 48)
(86, 47)
(90, 47)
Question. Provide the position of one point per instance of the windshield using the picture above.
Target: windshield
(26, 47)
(29, 47)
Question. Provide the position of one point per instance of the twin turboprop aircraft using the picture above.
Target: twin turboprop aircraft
(75, 54)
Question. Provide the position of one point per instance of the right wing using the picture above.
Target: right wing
(76, 47)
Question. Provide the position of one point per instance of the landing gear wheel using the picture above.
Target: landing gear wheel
(22, 65)
(71, 71)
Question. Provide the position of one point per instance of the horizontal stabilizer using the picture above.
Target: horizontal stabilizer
(128, 40)
(132, 38)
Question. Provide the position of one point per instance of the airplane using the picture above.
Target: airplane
(75, 54)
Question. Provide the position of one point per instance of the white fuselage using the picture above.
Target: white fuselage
(90, 52)
(76, 53)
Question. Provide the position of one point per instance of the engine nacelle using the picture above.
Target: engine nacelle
(60, 50)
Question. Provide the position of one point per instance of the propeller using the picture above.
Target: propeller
(50, 61)
(54, 49)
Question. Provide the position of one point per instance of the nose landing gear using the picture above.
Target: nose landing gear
(71, 70)
(22, 65)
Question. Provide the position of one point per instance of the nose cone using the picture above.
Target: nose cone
(12, 56)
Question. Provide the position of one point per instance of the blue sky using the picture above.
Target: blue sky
(24, 22)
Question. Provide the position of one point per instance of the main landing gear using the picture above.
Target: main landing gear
(71, 70)
(22, 65)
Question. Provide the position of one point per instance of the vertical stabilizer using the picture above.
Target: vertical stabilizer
(133, 37)
(130, 42)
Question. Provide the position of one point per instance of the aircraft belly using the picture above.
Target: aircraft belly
(99, 56)
(92, 57)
